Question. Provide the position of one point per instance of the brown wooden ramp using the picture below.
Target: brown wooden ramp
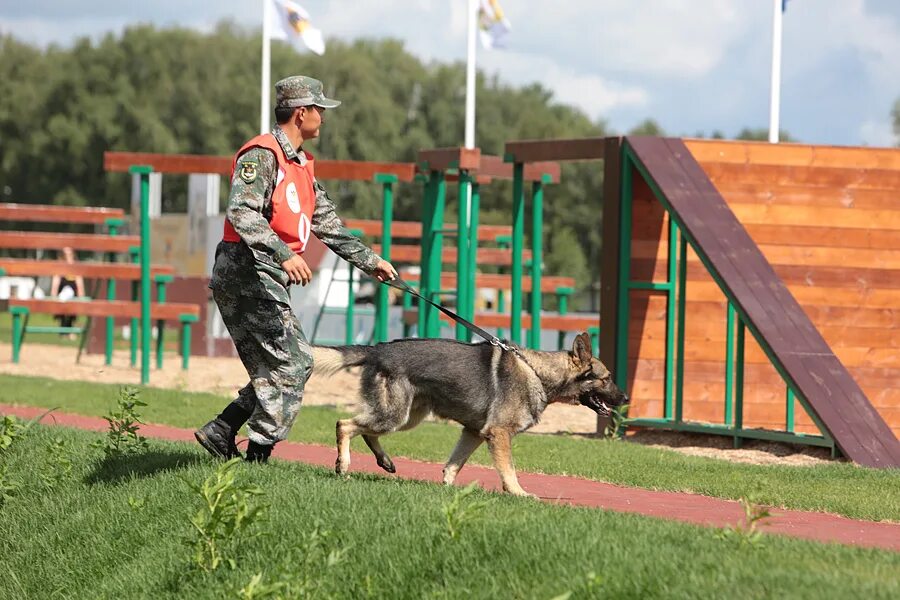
(778, 322)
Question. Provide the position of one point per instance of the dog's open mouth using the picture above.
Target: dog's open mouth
(596, 403)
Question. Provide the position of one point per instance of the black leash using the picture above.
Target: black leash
(493, 339)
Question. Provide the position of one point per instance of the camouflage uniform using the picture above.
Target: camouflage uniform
(251, 289)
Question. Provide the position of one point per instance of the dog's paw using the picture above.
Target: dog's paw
(339, 467)
(387, 464)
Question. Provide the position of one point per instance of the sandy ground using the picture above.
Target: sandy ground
(225, 376)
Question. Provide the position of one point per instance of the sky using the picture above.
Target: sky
(695, 66)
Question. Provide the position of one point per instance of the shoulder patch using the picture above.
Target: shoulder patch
(248, 171)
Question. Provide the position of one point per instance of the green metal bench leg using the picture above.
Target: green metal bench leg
(186, 322)
(18, 332)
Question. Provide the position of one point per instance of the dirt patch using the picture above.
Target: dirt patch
(224, 376)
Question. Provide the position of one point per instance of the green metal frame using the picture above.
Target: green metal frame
(462, 254)
(144, 172)
(675, 290)
(382, 304)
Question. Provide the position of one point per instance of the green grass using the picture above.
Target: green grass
(840, 488)
(115, 529)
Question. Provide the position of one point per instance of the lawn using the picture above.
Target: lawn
(117, 528)
(839, 488)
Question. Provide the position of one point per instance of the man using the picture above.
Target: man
(274, 205)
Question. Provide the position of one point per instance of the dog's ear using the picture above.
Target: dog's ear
(581, 348)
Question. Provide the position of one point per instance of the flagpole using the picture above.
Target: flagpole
(472, 22)
(775, 101)
(264, 100)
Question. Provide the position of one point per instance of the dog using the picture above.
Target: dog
(493, 393)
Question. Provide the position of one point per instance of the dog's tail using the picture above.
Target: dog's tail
(328, 360)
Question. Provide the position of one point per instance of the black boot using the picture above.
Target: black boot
(258, 453)
(217, 436)
(218, 439)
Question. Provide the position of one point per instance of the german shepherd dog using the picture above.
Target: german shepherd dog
(493, 393)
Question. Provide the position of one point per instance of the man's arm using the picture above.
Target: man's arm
(250, 187)
(328, 227)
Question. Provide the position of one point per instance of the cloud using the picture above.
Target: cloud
(592, 93)
(878, 133)
(693, 65)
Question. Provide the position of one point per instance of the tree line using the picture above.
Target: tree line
(181, 91)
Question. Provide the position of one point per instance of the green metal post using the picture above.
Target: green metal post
(435, 258)
(382, 307)
(160, 324)
(729, 362)
(682, 302)
(135, 255)
(621, 368)
(537, 256)
(474, 216)
(462, 254)
(594, 333)
(562, 299)
(426, 242)
(671, 316)
(144, 172)
(789, 411)
(515, 326)
(351, 300)
(110, 295)
(739, 384)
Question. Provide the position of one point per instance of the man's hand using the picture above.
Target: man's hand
(297, 270)
(384, 271)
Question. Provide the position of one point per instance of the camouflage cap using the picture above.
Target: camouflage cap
(301, 90)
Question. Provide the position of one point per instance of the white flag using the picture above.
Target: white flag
(492, 24)
(291, 23)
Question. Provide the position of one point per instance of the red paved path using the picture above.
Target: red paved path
(690, 508)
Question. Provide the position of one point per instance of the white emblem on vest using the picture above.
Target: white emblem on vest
(293, 199)
(303, 230)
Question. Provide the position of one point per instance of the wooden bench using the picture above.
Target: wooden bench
(107, 245)
(553, 322)
(44, 213)
(35, 240)
(184, 313)
(562, 287)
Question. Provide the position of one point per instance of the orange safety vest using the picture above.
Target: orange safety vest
(293, 199)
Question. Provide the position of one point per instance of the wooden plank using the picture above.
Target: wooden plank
(765, 301)
(849, 276)
(413, 229)
(485, 256)
(195, 163)
(36, 240)
(92, 270)
(792, 154)
(496, 168)
(811, 177)
(573, 322)
(736, 192)
(836, 316)
(441, 159)
(107, 308)
(45, 213)
(558, 149)
(609, 255)
(549, 283)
